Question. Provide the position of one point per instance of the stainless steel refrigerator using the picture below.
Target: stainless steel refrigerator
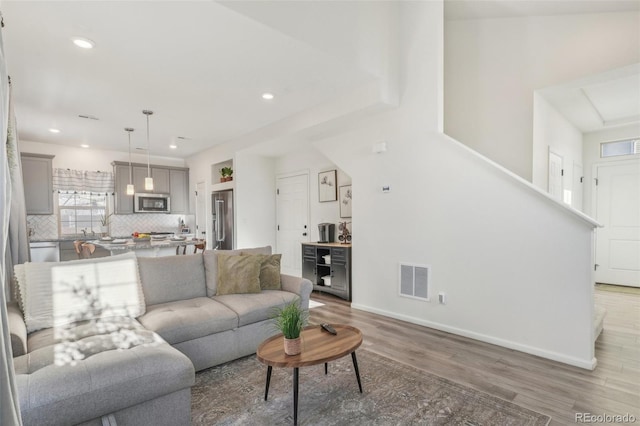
(223, 229)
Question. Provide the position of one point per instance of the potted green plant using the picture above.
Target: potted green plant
(290, 320)
(226, 173)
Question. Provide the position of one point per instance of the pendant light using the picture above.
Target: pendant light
(148, 181)
(130, 187)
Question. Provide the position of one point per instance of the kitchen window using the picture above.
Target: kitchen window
(80, 212)
(82, 200)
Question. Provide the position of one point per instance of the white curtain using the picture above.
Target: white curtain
(18, 240)
(83, 181)
(9, 406)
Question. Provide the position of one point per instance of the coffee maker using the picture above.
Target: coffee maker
(326, 232)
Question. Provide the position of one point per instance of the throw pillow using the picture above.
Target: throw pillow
(270, 271)
(238, 274)
(59, 293)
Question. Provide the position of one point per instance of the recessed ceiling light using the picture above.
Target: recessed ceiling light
(173, 146)
(52, 130)
(84, 43)
(84, 145)
(267, 96)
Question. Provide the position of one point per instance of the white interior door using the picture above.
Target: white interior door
(555, 176)
(618, 210)
(201, 209)
(292, 210)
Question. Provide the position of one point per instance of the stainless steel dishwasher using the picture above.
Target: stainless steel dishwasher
(45, 251)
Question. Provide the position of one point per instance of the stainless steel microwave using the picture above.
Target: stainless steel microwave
(151, 203)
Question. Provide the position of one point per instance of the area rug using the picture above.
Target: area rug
(394, 394)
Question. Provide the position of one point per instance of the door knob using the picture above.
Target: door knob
(304, 234)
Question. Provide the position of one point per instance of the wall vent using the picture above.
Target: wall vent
(415, 281)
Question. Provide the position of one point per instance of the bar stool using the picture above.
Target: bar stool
(83, 250)
(200, 245)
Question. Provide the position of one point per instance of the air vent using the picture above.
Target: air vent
(414, 281)
(88, 117)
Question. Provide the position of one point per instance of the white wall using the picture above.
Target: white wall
(312, 161)
(551, 131)
(70, 157)
(515, 265)
(493, 66)
(592, 143)
(254, 200)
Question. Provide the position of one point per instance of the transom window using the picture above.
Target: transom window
(80, 212)
(617, 148)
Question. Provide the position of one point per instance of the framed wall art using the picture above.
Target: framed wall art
(327, 189)
(345, 201)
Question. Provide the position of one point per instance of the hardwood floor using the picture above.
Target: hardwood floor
(545, 386)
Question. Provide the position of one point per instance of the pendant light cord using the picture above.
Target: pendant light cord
(129, 130)
(148, 113)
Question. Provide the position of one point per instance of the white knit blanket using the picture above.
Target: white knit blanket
(58, 293)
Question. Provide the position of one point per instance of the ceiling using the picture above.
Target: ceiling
(598, 102)
(201, 66)
(486, 9)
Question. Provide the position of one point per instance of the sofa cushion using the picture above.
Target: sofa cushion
(211, 264)
(238, 274)
(252, 308)
(59, 293)
(171, 278)
(189, 319)
(102, 383)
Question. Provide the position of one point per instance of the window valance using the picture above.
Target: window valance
(83, 181)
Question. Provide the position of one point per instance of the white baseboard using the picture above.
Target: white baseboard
(555, 356)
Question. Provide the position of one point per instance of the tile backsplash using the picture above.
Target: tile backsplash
(45, 227)
(124, 224)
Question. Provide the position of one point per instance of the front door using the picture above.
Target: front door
(618, 210)
(292, 210)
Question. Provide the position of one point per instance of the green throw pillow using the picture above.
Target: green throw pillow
(270, 271)
(238, 274)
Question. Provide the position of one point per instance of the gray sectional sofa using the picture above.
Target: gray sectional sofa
(139, 371)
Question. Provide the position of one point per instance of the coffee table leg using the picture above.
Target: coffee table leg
(266, 391)
(326, 368)
(295, 396)
(355, 366)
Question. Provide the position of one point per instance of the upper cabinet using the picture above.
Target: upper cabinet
(37, 174)
(179, 190)
(166, 180)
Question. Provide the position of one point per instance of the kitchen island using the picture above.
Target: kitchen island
(145, 247)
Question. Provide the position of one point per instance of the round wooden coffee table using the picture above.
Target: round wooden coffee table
(318, 347)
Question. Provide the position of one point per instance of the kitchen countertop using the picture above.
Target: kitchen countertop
(137, 245)
(335, 244)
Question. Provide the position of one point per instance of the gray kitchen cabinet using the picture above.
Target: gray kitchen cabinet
(139, 174)
(124, 202)
(37, 174)
(328, 267)
(179, 190)
(161, 183)
(166, 180)
(160, 177)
